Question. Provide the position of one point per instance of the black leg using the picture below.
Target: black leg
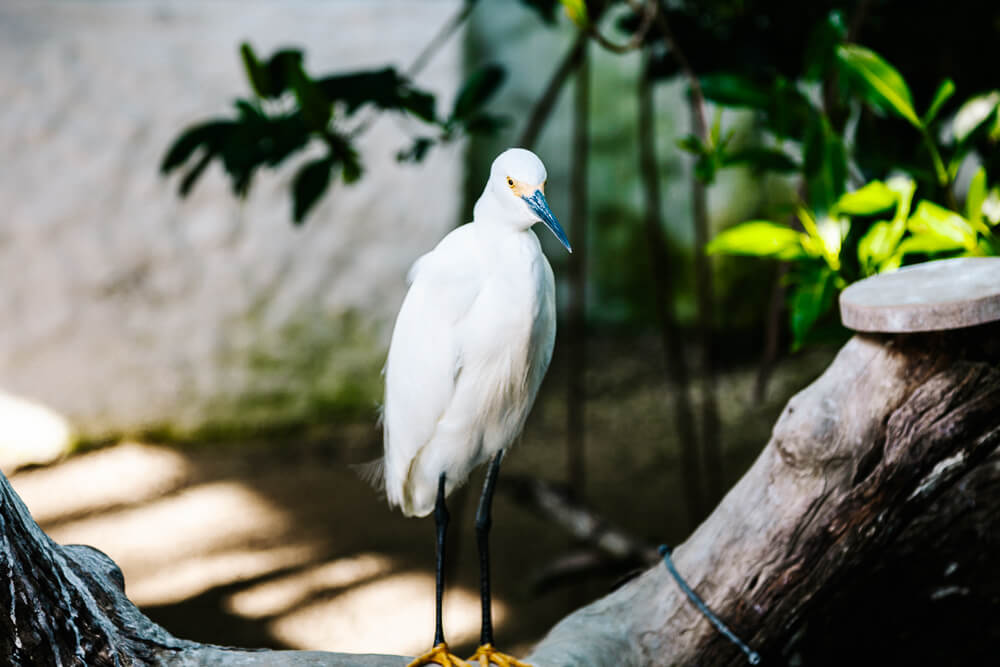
(484, 520)
(441, 522)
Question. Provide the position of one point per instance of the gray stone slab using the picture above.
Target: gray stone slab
(947, 294)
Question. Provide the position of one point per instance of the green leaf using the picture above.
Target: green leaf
(883, 86)
(927, 244)
(315, 107)
(973, 114)
(937, 224)
(310, 182)
(943, 94)
(991, 207)
(824, 165)
(576, 10)
(342, 151)
(790, 113)
(735, 90)
(873, 198)
(692, 144)
(256, 72)
(384, 88)
(764, 159)
(975, 198)
(194, 173)
(812, 297)
(759, 238)
(280, 66)
(417, 151)
(546, 9)
(211, 135)
(819, 53)
(477, 89)
(879, 244)
(270, 80)
(485, 124)
(903, 187)
(832, 232)
(705, 168)
(715, 132)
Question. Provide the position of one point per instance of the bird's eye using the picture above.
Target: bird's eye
(510, 181)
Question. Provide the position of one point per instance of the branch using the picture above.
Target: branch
(440, 39)
(543, 107)
(576, 311)
(649, 10)
(583, 524)
(874, 501)
(858, 514)
(703, 279)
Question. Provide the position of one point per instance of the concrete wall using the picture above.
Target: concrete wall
(124, 308)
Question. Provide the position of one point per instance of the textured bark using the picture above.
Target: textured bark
(866, 529)
(874, 501)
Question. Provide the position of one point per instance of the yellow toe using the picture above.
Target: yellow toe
(439, 655)
(486, 655)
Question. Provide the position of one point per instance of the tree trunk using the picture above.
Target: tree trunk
(867, 527)
(868, 519)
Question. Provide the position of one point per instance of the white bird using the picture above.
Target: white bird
(470, 347)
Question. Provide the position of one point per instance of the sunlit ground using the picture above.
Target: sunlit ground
(280, 544)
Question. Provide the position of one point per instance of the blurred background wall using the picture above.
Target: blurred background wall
(128, 309)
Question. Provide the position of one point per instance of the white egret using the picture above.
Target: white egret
(471, 344)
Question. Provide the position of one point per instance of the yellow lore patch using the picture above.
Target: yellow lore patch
(522, 189)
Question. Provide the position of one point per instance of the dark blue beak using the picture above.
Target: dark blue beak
(541, 208)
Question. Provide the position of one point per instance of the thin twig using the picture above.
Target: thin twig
(579, 521)
(663, 291)
(426, 54)
(649, 11)
(711, 448)
(440, 39)
(697, 96)
(544, 105)
(577, 269)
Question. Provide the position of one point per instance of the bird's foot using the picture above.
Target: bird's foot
(439, 655)
(486, 655)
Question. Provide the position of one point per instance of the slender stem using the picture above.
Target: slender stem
(943, 177)
(441, 523)
(649, 11)
(697, 96)
(433, 46)
(544, 105)
(711, 448)
(577, 268)
(772, 327)
(440, 39)
(484, 520)
(659, 261)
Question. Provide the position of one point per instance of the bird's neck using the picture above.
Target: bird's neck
(490, 213)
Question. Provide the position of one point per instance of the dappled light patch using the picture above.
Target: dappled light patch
(185, 579)
(391, 614)
(271, 598)
(30, 433)
(128, 474)
(196, 521)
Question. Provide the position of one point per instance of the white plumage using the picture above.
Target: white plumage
(472, 341)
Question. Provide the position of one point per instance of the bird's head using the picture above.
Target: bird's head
(517, 184)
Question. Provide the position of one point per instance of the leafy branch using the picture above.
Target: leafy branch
(291, 109)
(847, 235)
